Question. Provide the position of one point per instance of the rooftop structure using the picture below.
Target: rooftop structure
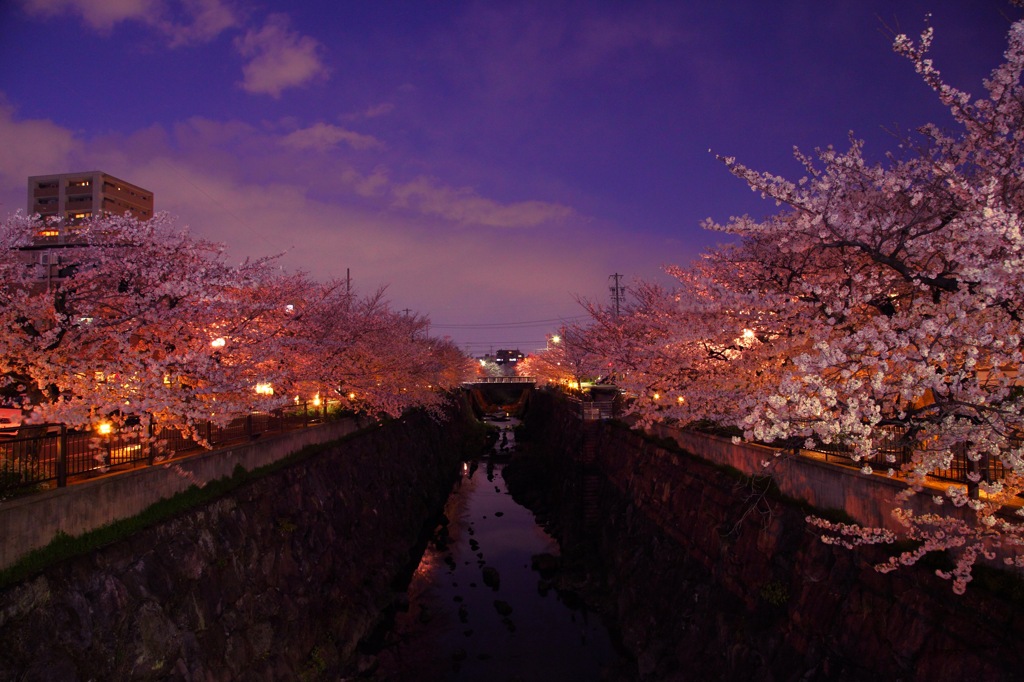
(508, 356)
(67, 200)
(76, 197)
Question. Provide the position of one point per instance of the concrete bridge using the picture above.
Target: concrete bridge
(504, 394)
(489, 381)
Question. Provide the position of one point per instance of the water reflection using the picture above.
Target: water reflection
(479, 607)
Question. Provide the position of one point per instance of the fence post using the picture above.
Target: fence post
(62, 457)
(150, 441)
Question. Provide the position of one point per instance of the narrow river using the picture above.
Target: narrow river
(482, 605)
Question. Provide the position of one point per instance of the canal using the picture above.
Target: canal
(485, 603)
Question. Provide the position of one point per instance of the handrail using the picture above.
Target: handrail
(501, 380)
(38, 454)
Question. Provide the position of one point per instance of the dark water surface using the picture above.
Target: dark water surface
(480, 608)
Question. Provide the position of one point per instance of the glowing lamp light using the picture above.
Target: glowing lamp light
(556, 339)
(316, 400)
(351, 396)
(218, 342)
(104, 428)
(264, 389)
(657, 396)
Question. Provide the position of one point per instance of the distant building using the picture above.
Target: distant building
(508, 357)
(76, 197)
(71, 199)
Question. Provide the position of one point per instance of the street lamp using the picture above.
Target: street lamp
(105, 429)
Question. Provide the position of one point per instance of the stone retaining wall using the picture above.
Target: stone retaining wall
(869, 499)
(32, 521)
(708, 579)
(279, 579)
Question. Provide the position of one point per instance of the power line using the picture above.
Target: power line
(508, 325)
(500, 344)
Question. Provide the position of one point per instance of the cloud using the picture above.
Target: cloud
(375, 184)
(466, 207)
(324, 137)
(203, 21)
(279, 58)
(382, 109)
(239, 184)
(513, 51)
(182, 22)
(31, 147)
(101, 15)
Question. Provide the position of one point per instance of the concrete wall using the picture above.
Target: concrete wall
(706, 579)
(278, 579)
(31, 522)
(869, 499)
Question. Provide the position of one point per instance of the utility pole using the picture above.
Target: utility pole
(617, 291)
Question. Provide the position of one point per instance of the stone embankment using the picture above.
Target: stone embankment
(279, 579)
(709, 579)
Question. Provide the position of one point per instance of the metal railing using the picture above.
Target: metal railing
(593, 410)
(503, 380)
(892, 451)
(37, 455)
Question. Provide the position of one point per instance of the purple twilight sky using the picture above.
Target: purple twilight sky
(486, 160)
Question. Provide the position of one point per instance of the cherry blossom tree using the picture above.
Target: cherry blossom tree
(372, 358)
(567, 361)
(912, 273)
(140, 318)
(682, 354)
(883, 298)
(136, 320)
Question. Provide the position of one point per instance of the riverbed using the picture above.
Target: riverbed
(483, 604)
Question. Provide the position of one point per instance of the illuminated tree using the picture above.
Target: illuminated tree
(140, 318)
(567, 361)
(683, 355)
(882, 295)
(374, 359)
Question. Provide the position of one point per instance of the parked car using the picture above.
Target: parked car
(10, 417)
(10, 420)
